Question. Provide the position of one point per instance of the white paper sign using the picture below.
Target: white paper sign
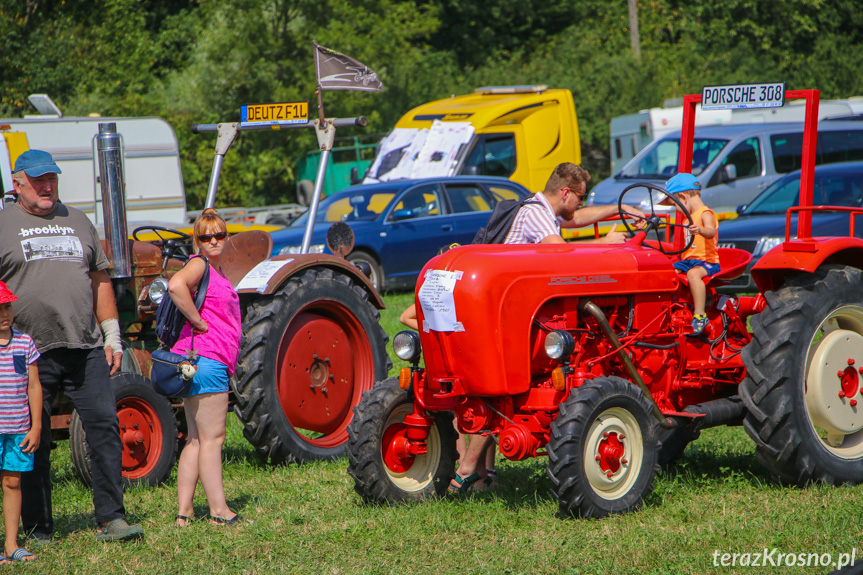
(259, 276)
(438, 304)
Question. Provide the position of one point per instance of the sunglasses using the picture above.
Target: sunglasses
(206, 238)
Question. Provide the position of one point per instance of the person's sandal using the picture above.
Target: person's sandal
(491, 478)
(119, 530)
(187, 520)
(463, 484)
(233, 521)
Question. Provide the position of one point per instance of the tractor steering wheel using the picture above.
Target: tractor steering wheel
(179, 247)
(653, 221)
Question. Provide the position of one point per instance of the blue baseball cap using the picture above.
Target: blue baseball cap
(682, 183)
(36, 163)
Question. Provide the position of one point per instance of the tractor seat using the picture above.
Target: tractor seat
(732, 263)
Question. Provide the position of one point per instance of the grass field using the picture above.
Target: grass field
(307, 519)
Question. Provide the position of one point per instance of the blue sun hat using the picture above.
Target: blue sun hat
(36, 163)
(675, 185)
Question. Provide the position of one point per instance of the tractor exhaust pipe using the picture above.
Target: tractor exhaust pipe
(723, 411)
(593, 310)
(109, 147)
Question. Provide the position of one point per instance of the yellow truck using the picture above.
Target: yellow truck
(518, 132)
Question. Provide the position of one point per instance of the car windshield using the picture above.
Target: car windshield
(660, 161)
(833, 188)
(349, 207)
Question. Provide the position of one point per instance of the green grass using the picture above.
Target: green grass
(307, 519)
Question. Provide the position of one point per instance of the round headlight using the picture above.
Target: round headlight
(558, 344)
(157, 290)
(406, 344)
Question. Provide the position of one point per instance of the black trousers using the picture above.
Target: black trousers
(83, 375)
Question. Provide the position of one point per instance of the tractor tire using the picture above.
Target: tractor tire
(381, 475)
(603, 452)
(376, 276)
(148, 431)
(308, 353)
(305, 191)
(802, 386)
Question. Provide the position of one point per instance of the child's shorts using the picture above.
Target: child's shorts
(11, 456)
(686, 265)
(212, 377)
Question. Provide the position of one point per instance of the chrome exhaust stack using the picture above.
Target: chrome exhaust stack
(109, 148)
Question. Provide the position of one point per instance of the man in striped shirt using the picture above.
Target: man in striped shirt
(539, 221)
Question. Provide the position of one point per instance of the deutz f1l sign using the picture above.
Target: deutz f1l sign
(743, 96)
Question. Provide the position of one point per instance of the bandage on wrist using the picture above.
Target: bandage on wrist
(111, 334)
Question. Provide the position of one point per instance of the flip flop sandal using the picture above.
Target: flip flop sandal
(491, 478)
(188, 520)
(21, 554)
(235, 520)
(463, 484)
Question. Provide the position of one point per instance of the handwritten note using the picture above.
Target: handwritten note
(259, 276)
(437, 301)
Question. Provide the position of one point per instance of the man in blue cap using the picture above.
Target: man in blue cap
(51, 256)
(702, 258)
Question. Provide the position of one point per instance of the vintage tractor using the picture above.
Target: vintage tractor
(312, 342)
(585, 353)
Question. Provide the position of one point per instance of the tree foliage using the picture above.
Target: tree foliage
(198, 61)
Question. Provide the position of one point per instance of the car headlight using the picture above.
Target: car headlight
(558, 344)
(157, 290)
(313, 249)
(764, 245)
(406, 344)
(590, 196)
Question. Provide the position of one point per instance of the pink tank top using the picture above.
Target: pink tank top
(221, 311)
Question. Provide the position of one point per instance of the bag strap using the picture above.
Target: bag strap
(203, 284)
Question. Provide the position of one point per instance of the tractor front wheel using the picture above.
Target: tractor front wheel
(308, 353)
(148, 432)
(803, 378)
(378, 459)
(603, 449)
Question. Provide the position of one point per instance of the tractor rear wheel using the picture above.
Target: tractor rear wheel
(308, 353)
(148, 431)
(382, 470)
(603, 449)
(804, 381)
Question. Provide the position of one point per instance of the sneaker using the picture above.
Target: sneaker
(699, 322)
(119, 530)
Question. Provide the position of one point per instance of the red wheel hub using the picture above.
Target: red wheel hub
(610, 453)
(850, 381)
(395, 448)
(141, 436)
(325, 364)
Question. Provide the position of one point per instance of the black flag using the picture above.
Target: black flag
(336, 71)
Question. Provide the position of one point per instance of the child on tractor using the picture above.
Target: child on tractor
(702, 258)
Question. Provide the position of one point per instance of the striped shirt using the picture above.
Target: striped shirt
(15, 359)
(534, 222)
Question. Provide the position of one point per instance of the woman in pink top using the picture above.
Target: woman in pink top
(214, 334)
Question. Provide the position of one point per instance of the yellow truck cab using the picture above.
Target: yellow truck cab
(517, 132)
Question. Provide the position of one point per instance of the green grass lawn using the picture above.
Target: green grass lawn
(307, 519)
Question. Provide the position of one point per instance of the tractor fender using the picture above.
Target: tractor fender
(805, 256)
(295, 263)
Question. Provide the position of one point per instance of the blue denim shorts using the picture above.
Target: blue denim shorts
(11, 456)
(212, 377)
(686, 265)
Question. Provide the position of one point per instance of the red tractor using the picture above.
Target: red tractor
(584, 353)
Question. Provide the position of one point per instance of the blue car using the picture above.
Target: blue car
(400, 225)
(761, 224)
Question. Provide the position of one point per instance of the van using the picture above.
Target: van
(734, 163)
(151, 158)
(516, 132)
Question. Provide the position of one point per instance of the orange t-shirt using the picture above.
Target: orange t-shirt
(702, 248)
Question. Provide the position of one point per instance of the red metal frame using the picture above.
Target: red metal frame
(807, 165)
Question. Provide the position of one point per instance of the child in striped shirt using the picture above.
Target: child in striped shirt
(20, 420)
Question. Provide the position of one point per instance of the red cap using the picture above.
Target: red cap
(6, 295)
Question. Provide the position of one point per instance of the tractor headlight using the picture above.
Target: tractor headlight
(406, 344)
(157, 290)
(313, 249)
(558, 344)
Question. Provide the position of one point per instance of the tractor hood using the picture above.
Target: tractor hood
(477, 327)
